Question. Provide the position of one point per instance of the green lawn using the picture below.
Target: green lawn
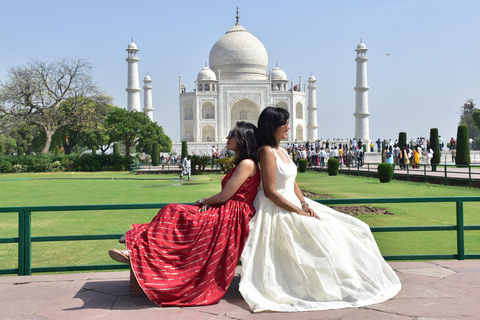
(36, 189)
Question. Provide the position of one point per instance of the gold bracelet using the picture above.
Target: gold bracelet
(304, 202)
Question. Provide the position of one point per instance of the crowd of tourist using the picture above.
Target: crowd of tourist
(350, 152)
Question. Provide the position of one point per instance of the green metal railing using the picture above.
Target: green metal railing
(25, 239)
(167, 167)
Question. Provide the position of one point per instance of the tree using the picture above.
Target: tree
(129, 127)
(24, 135)
(435, 145)
(7, 144)
(156, 136)
(402, 139)
(184, 150)
(467, 118)
(35, 92)
(463, 147)
(155, 154)
(91, 133)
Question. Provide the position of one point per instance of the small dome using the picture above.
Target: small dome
(278, 74)
(206, 74)
(361, 46)
(312, 78)
(147, 78)
(132, 46)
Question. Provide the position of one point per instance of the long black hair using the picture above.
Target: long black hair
(270, 119)
(247, 140)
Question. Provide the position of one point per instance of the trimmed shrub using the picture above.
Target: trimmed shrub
(463, 148)
(18, 168)
(57, 166)
(184, 150)
(155, 154)
(116, 149)
(5, 166)
(226, 163)
(402, 139)
(385, 172)
(332, 166)
(302, 165)
(198, 164)
(435, 145)
(20, 151)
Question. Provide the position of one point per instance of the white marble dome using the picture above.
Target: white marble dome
(132, 46)
(206, 74)
(361, 46)
(147, 78)
(278, 74)
(312, 78)
(239, 56)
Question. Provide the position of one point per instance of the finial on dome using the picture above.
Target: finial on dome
(276, 64)
(205, 64)
(238, 18)
(132, 39)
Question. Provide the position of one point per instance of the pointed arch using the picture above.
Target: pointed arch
(282, 104)
(188, 111)
(188, 133)
(299, 133)
(299, 110)
(244, 110)
(208, 133)
(208, 110)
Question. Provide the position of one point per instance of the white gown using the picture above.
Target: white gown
(296, 263)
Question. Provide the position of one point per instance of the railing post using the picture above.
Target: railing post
(408, 173)
(460, 231)
(24, 243)
(470, 176)
(446, 179)
(425, 173)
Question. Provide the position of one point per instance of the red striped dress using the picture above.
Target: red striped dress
(188, 258)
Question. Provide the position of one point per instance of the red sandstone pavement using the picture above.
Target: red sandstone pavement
(430, 290)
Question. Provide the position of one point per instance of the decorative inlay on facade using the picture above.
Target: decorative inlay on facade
(250, 96)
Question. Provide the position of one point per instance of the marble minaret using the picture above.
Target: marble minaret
(361, 97)
(133, 89)
(147, 98)
(312, 109)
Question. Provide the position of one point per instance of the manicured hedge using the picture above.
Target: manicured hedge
(302, 165)
(70, 162)
(462, 145)
(332, 166)
(385, 172)
(435, 145)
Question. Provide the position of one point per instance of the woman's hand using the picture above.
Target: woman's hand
(204, 207)
(308, 212)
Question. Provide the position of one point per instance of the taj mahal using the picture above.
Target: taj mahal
(236, 85)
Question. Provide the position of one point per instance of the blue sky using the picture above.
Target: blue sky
(424, 56)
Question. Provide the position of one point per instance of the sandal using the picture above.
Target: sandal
(119, 255)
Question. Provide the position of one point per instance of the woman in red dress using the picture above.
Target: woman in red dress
(188, 254)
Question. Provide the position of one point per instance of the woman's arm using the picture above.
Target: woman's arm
(267, 163)
(245, 169)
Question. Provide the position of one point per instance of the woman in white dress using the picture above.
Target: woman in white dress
(301, 255)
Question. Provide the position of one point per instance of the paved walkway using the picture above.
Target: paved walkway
(430, 290)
